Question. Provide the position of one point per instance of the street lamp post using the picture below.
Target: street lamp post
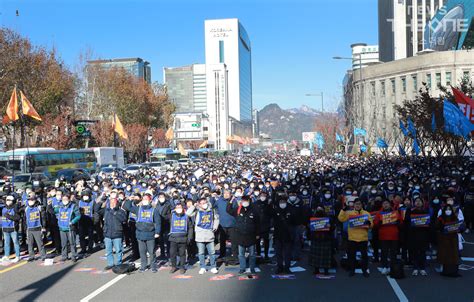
(322, 98)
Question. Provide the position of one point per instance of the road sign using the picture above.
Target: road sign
(82, 127)
(196, 125)
(308, 136)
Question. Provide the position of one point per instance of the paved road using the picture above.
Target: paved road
(61, 282)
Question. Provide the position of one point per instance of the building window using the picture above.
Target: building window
(404, 84)
(448, 78)
(221, 51)
(438, 79)
(382, 88)
(466, 75)
(372, 88)
(415, 82)
(393, 85)
(428, 80)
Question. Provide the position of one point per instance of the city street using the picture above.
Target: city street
(63, 282)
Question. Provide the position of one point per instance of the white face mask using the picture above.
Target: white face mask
(145, 202)
(292, 198)
(257, 193)
(448, 212)
(238, 194)
(374, 191)
(327, 196)
(31, 203)
(282, 205)
(450, 202)
(179, 211)
(9, 202)
(305, 192)
(245, 204)
(263, 198)
(161, 199)
(86, 198)
(204, 206)
(65, 202)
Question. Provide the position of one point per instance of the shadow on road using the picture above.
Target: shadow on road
(44, 284)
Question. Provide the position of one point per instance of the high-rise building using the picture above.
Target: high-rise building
(220, 124)
(227, 43)
(136, 66)
(402, 25)
(186, 87)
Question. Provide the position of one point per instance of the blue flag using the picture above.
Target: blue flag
(433, 122)
(319, 140)
(411, 127)
(339, 138)
(381, 143)
(401, 150)
(402, 127)
(360, 131)
(455, 121)
(416, 148)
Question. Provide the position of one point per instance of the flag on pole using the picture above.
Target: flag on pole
(319, 140)
(28, 109)
(12, 107)
(433, 122)
(465, 103)
(416, 148)
(401, 150)
(203, 144)
(455, 121)
(411, 127)
(360, 131)
(402, 127)
(381, 143)
(169, 134)
(181, 150)
(118, 127)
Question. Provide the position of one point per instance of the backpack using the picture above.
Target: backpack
(124, 268)
(396, 271)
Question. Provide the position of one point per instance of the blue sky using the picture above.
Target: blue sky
(293, 41)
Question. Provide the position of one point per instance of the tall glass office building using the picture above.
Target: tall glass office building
(227, 42)
(186, 87)
(136, 66)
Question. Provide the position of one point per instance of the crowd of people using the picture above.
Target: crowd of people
(396, 210)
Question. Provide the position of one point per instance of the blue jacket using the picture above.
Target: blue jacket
(225, 219)
(145, 230)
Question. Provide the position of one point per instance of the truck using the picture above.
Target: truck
(109, 156)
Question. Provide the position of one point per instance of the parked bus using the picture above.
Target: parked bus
(47, 160)
(162, 154)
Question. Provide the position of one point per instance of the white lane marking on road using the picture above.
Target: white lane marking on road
(107, 285)
(103, 288)
(398, 291)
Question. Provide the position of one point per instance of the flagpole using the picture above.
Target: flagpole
(22, 121)
(115, 141)
(13, 148)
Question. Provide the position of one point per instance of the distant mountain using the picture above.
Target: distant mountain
(306, 110)
(288, 124)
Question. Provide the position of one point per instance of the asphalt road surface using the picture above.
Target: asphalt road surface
(85, 281)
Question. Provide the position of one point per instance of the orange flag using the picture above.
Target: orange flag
(118, 127)
(181, 150)
(12, 108)
(203, 144)
(169, 134)
(28, 109)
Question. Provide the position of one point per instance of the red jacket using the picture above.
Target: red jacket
(389, 229)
